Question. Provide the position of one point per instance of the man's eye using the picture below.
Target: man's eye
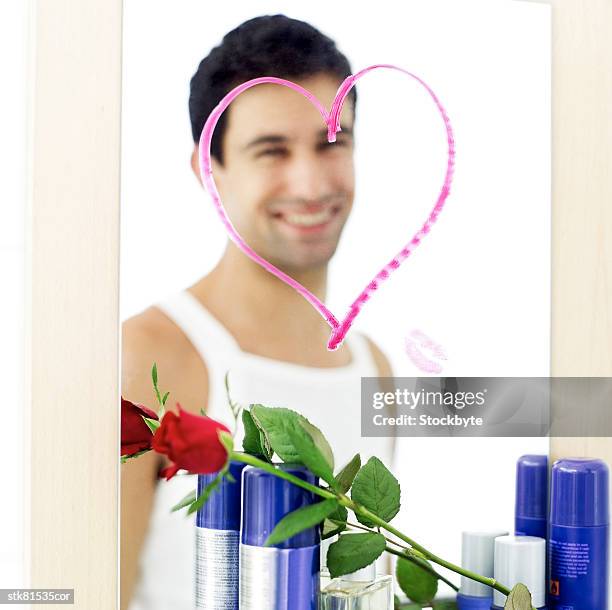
(272, 152)
(325, 146)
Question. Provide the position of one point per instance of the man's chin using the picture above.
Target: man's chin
(305, 262)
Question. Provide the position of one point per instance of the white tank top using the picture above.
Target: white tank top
(329, 397)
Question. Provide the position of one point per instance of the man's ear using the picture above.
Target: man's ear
(195, 163)
(195, 166)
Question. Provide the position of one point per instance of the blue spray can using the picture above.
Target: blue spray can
(284, 576)
(531, 503)
(579, 535)
(217, 543)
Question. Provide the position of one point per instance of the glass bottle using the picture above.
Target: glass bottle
(361, 590)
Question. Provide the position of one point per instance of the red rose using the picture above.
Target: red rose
(135, 434)
(191, 442)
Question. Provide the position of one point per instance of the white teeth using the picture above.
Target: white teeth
(308, 220)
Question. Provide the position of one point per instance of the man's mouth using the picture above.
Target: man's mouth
(313, 218)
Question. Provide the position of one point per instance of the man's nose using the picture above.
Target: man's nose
(307, 178)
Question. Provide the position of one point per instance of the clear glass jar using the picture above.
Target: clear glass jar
(348, 594)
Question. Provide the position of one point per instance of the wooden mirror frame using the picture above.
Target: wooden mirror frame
(72, 317)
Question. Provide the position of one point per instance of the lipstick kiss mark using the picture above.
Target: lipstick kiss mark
(418, 340)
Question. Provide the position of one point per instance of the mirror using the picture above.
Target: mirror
(472, 300)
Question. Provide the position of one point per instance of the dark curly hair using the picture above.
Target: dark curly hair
(270, 45)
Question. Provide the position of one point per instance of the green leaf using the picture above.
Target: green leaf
(153, 424)
(309, 454)
(519, 599)
(335, 523)
(319, 440)
(186, 501)
(301, 519)
(234, 406)
(377, 490)
(227, 441)
(274, 423)
(265, 445)
(252, 441)
(165, 398)
(210, 488)
(416, 580)
(156, 389)
(441, 605)
(255, 441)
(354, 551)
(344, 479)
(277, 424)
(227, 389)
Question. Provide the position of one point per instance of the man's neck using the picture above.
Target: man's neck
(264, 314)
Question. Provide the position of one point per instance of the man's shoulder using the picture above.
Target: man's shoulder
(382, 362)
(151, 336)
(150, 329)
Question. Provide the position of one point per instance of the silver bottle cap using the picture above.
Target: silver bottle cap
(521, 559)
(477, 550)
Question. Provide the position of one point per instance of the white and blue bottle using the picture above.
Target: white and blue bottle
(477, 549)
(520, 559)
(284, 576)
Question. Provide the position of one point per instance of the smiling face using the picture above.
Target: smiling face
(287, 191)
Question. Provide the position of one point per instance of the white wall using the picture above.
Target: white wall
(12, 267)
(479, 284)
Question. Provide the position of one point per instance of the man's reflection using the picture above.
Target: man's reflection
(289, 193)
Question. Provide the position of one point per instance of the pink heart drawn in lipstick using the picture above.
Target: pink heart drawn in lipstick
(332, 120)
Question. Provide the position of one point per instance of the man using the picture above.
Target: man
(288, 192)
